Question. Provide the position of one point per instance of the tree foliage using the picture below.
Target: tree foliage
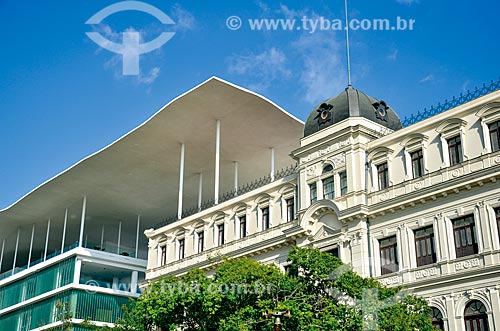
(319, 291)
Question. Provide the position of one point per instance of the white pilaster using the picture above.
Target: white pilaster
(78, 271)
(119, 237)
(47, 240)
(102, 237)
(15, 252)
(64, 230)
(137, 236)
(133, 282)
(1, 255)
(272, 163)
(236, 177)
(82, 221)
(31, 244)
(217, 162)
(181, 182)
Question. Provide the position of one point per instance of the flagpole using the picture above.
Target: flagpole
(347, 45)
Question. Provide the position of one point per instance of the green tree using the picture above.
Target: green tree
(64, 315)
(319, 291)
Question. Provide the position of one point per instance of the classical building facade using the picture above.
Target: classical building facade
(417, 205)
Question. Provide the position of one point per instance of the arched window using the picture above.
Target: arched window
(437, 318)
(328, 168)
(475, 316)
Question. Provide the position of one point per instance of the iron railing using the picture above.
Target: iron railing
(232, 194)
(456, 101)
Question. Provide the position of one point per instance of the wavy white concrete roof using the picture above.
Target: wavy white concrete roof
(139, 172)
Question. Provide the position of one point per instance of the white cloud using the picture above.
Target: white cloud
(393, 55)
(183, 19)
(149, 78)
(323, 74)
(266, 67)
(407, 2)
(263, 6)
(428, 78)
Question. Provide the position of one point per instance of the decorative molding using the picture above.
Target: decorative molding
(326, 150)
(312, 171)
(467, 264)
(390, 280)
(426, 273)
(338, 160)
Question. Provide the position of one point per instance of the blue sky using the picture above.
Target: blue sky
(62, 97)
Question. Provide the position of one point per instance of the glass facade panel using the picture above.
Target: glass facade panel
(37, 283)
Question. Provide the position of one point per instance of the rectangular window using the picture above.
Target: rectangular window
(494, 129)
(200, 236)
(424, 246)
(455, 150)
(417, 163)
(314, 192)
(163, 257)
(220, 234)
(181, 249)
(333, 251)
(388, 256)
(328, 188)
(290, 209)
(265, 218)
(343, 183)
(243, 226)
(464, 232)
(383, 176)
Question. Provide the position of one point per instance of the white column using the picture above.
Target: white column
(47, 240)
(15, 252)
(444, 151)
(102, 237)
(486, 137)
(64, 230)
(119, 237)
(217, 161)
(82, 221)
(236, 177)
(200, 191)
(137, 235)
(272, 163)
(31, 244)
(78, 271)
(133, 282)
(181, 183)
(1, 255)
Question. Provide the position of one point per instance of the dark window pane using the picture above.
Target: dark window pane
(455, 150)
(243, 226)
(265, 218)
(424, 242)
(343, 183)
(328, 188)
(495, 135)
(465, 237)
(290, 209)
(314, 192)
(388, 255)
(417, 162)
(383, 176)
